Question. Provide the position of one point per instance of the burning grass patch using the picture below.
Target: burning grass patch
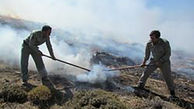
(95, 99)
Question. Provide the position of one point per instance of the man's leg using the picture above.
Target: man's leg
(39, 64)
(42, 70)
(166, 71)
(24, 63)
(150, 68)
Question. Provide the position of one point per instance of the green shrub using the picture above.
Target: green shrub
(13, 93)
(40, 94)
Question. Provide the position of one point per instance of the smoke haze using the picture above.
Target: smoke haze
(98, 74)
(108, 24)
(121, 20)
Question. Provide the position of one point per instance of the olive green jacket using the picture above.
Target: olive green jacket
(36, 38)
(161, 51)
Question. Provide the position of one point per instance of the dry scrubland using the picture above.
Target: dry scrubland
(15, 96)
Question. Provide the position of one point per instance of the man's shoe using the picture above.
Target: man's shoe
(140, 86)
(47, 82)
(24, 83)
(172, 93)
(172, 96)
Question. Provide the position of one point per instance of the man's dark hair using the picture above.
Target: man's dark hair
(46, 28)
(156, 32)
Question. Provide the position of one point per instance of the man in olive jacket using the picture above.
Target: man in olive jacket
(161, 52)
(30, 47)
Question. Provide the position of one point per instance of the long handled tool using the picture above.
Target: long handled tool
(67, 63)
(127, 67)
(123, 68)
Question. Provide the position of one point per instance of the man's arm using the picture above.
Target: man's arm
(50, 49)
(167, 52)
(147, 55)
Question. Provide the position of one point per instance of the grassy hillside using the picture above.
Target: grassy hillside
(155, 97)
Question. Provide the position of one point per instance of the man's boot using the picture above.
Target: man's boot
(25, 83)
(46, 81)
(172, 95)
(140, 86)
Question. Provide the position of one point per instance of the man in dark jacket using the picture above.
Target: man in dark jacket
(30, 47)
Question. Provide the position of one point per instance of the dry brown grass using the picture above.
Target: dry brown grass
(96, 99)
(137, 103)
(102, 98)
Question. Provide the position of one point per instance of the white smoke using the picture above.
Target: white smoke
(122, 20)
(98, 74)
(95, 24)
(10, 44)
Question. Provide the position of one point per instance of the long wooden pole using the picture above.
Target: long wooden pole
(127, 67)
(67, 63)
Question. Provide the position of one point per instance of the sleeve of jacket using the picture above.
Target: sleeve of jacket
(32, 42)
(147, 52)
(167, 54)
(49, 46)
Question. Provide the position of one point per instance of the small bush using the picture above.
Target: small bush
(95, 99)
(14, 93)
(40, 94)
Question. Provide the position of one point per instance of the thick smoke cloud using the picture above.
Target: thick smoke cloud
(122, 20)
